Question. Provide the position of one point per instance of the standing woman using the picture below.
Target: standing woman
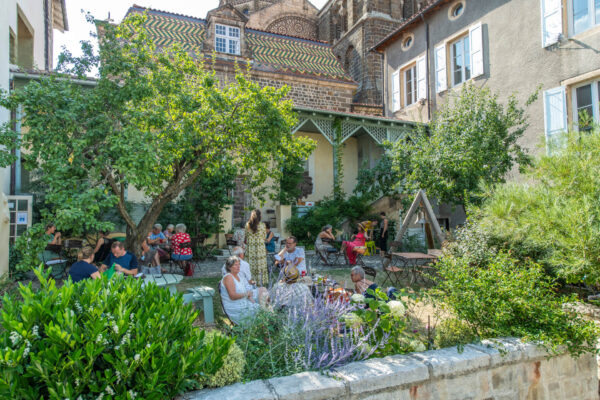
(383, 237)
(256, 253)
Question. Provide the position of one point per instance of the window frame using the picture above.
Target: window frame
(595, 86)
(228, 38)
(466, 56)
(412, 67)
(571, 17)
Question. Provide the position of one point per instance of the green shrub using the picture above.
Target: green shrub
(98, 338)
(28, 247)
(453, 332)
(554, 217)
(511, 298)
(328, 211)
(232, 369)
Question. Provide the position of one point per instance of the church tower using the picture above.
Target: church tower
(353, 27)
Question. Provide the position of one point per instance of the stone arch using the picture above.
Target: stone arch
(294, 25)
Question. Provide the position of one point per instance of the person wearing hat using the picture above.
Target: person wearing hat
(289, 292)
(349, 249)
(321, 247)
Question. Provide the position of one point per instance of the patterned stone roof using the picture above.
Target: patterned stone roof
(270, 51)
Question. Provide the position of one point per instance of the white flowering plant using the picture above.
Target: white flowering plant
(387, 318)
(102, 339)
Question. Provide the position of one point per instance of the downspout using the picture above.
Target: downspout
(427, 66)
(13, 152)
(46, 36)
(383, 84)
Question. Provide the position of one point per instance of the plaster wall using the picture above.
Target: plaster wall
(514, 59)
(320, 167)
(350, 164)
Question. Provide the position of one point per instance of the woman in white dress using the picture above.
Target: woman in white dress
(239, 302)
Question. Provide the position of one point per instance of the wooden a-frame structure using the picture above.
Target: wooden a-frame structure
(422, 201)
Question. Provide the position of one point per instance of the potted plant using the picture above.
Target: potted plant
(229, 234)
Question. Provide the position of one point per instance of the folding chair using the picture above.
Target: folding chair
(70, 248)
(370, 271)
(231, 243)
(393, 273)
(58, 265)
(223, 307)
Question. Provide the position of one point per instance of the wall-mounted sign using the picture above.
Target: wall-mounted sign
(21, 218)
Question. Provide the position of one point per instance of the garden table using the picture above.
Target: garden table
(168, 281)
(205, 294)
(410, 264)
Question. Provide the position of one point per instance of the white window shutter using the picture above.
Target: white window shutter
(421, 78)
(476, 39)
(551, 21)
(441, 80)
(396, 91)
(555, 115)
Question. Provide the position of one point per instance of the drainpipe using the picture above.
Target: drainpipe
(427, 66)
(13, 152)
(383, 83)
(46, 37)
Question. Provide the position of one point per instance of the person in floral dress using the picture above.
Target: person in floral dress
(256, 253)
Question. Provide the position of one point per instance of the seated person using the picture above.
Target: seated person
(54, 238)
(321, 245)
(125, 261)
(270, 239)
(351, 248)
(244, 266)
(155, 239)
(84, 268)
(289, 292)
(292, 254)
(102, 246)
(52, 235)
(180, 253)
(170, 231)
(362, 285)
(239, 303)
(149, 255)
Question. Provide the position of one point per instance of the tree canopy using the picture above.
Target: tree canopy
(471, 140)
(156, 120)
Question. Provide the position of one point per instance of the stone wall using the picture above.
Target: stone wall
(479, 372)
(304, 91)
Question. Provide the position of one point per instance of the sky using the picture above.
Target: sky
(79, 28)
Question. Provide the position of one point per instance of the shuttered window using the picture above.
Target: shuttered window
(551, 21)
(441, 80)
(421, 78)
(395, 84)
(555, 116)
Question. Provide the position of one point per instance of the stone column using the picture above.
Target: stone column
(283, 213)
(4, 233)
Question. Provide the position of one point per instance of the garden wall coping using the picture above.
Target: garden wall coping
(448, 373)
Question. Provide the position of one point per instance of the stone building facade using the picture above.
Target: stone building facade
(431, 55)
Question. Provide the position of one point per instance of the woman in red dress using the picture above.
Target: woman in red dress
(358, 240)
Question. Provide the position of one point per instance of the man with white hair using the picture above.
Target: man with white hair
(244, 266)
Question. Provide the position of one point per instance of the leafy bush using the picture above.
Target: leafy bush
(232, 369)
(452, 332)
(28, 247)
(99, 338)
(506, 297)
(328, 211)
(553, 218)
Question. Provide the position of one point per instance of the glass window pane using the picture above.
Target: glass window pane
(467, 59)
(233, 46)
(220, 29)
(457, 62)
(234, 32)
(221, 45)
(584, 100)
(581, 15)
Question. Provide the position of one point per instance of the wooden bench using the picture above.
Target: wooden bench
(205, 294)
